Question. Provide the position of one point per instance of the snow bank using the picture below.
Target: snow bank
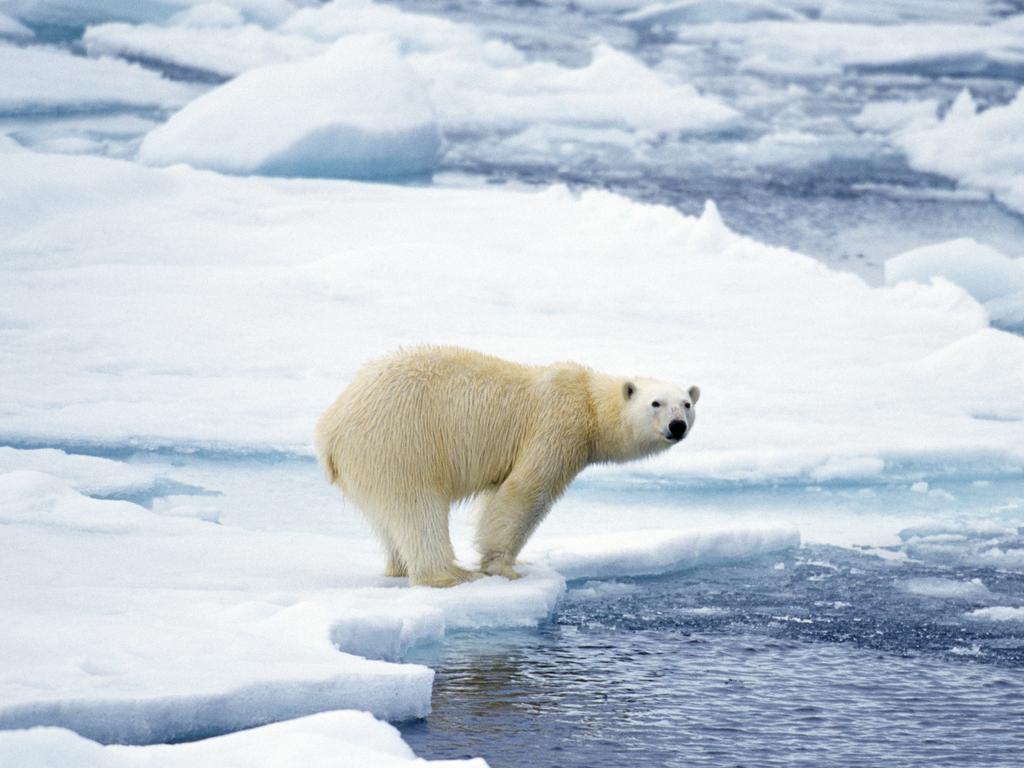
(40, 80)
(160, 258)
(995, 280)
(342, 739)
(648, 553)
(981, 150)
(354, 112)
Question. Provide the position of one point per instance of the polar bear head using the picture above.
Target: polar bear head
(658, 414)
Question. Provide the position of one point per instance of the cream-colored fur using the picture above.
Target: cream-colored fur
(425, 427)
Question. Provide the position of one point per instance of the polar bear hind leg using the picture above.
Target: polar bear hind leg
(419, 545)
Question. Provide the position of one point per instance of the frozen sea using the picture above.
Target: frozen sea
(212, 213)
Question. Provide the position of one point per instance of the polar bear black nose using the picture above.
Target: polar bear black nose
(677, 428)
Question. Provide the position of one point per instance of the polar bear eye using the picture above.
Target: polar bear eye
(686, 406)
(656, 404)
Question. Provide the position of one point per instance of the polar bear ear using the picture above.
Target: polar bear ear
(628, 389)
(694, 394)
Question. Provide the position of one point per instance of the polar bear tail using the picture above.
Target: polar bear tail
(325, 451)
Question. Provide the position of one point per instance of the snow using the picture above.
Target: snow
(472, 81)
(341, 739)
(87, 474)
(818, 48)
(186, 629)
(223, 50)
(120, 365)
(12, 28)
(978, 542)
(355, 112)
(980, 149)
(991, 277)
(652, 552)
(194, 313)
(41, 79)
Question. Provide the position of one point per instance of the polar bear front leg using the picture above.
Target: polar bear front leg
(509, 517)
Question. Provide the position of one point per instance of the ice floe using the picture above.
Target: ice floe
(980, 149)
(341, 739)
(357, 111)
(163, 257)
(818, 48)
(184, 629)
(992, 278)
(40, 80)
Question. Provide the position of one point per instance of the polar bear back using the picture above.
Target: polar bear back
(453, 422)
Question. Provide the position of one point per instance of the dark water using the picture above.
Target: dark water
(829, 659)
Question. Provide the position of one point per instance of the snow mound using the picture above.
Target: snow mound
(357, 111)
(42, 80)
(980, 149)
(648, 553)
(343, 739)
(992, 278)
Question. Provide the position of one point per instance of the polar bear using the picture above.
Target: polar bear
(425, 427)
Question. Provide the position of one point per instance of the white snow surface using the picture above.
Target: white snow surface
(185, 629)
(473, 82)
(991, 277)
(42, 79)
(824, 47)
(292, 285)
(14, 29)
(341, 739)
(980, 149)
(357, 111)
(86, 474)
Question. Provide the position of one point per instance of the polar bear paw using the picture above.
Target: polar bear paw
(451, 576)
(499, 567)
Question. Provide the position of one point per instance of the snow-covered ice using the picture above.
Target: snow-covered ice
(357, 111)
(39, 80)
(980, 149)
(991, 277)
(920, 377)
(183, 313)
(340, 739)
(185, 629)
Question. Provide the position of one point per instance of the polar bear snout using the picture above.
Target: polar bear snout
(676, 429)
